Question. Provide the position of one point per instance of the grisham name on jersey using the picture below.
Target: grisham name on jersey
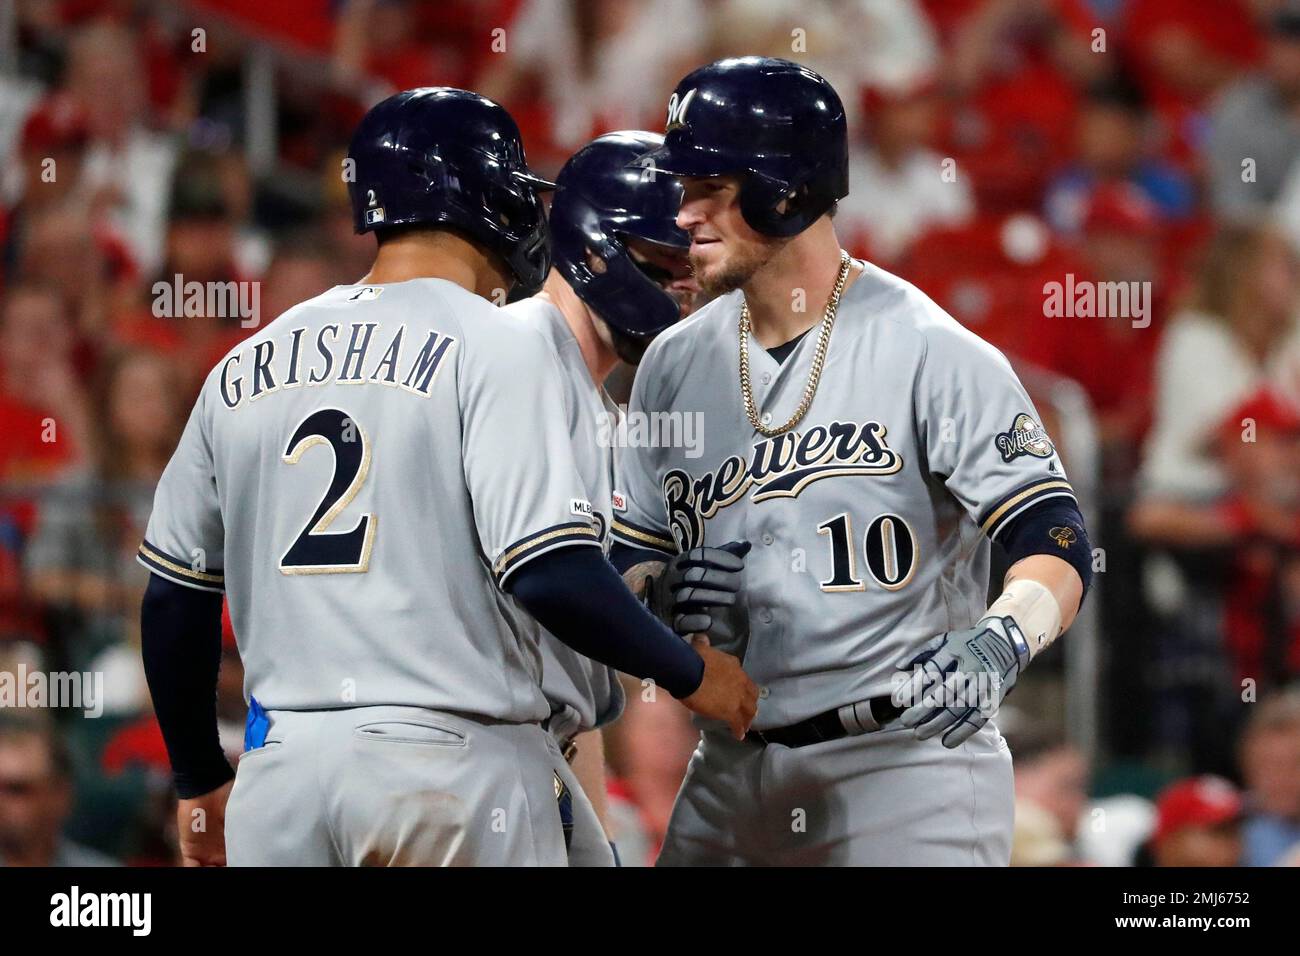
(262, 367)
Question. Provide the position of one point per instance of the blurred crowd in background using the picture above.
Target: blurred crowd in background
(998, 146)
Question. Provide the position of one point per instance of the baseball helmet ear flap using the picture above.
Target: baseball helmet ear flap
(603, 201)
(596, 261)
(782, 209)
(402, 196)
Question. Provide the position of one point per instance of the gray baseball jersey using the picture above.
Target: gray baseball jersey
(871, 520)
(583, 693)
(362, 477)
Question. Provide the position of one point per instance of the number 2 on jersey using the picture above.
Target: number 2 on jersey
(890, 548)
(345, 552)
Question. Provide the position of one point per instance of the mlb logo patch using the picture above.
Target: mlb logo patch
(581, 507)
(620, 503)
(374, 215)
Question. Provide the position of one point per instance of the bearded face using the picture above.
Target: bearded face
(725, 250)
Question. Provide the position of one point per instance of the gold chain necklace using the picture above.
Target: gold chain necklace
(819, 358)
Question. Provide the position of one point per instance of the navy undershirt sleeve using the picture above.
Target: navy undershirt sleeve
(180, 632)
(1054, 527)
(576, 594)
(624, 556)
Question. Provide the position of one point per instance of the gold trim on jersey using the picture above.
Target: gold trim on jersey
(794, 490)
(1016, 499)
(564, 531)
(157, 557)
(627, 531)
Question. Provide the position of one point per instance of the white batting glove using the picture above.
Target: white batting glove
(960, 678)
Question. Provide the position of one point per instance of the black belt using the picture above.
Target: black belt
(865, 715)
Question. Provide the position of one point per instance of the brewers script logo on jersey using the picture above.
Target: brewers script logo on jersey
(779, 467)
(1025, 437)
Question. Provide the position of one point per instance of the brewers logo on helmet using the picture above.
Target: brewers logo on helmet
(778, 124)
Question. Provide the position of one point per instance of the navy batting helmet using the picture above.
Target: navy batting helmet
(602, 198)
(444, 157)
(778, 124)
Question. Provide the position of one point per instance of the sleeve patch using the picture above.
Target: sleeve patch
(1024, 437)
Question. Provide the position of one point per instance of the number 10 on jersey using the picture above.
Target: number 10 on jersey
(889, 546)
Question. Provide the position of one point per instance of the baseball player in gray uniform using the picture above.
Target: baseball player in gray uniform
(382, 484)
(621, 276)
(869, 448)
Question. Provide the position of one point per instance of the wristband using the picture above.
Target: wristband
(1034, 609)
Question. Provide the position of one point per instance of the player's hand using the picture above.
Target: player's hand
(201, 827)
(694, 583)
(958, 681)
(726, 693)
